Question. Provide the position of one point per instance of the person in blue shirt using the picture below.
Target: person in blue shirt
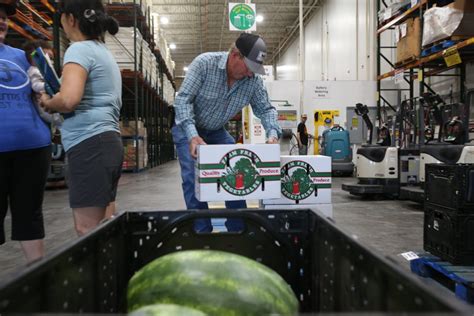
(25, 148)
(217, 86)
(91, 94)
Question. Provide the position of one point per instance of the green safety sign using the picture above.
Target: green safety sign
(242, 17)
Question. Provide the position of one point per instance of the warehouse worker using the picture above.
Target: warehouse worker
(25, 148)
(302, 136)
(217, 86)
(91, 95)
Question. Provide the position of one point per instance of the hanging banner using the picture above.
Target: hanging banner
(242, 17)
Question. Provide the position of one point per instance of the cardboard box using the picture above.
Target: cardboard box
(304, 180)
(127, 128)
(237, 172)
(409, 44)
(130, 153)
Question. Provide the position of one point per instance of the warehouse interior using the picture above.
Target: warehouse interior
(386, 87)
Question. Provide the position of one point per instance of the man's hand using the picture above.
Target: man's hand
(195, 141)
(272, 140)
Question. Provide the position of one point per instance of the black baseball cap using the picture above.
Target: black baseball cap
(254, 50)
(9, 6)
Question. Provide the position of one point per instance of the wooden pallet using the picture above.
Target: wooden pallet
(400, 64)
(459, 279)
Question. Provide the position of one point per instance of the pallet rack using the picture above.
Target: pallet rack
(38, 19)
(141, 100)
(33, 20)
(417, 71)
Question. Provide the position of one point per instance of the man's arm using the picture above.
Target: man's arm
(184, 104)
(266, 112)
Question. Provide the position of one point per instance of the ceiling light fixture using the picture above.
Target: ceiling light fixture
(164, 20)
(259, 18)
(172, 46)
(185, 69)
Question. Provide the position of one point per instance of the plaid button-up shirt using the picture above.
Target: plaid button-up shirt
(205, 100)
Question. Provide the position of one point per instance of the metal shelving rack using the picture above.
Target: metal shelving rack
(38, 19)
(141, 100)
(420, 69)
(32, 21)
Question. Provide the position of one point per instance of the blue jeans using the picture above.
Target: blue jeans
(186, 162)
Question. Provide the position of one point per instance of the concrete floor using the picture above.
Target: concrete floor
(388, 227)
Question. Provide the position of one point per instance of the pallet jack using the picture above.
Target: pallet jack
(451, 145)
(381, 168)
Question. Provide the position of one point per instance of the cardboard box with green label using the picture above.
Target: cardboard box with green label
(237, 172)
(304, 180)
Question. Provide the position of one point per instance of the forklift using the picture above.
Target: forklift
(392, 162)
(451, 124)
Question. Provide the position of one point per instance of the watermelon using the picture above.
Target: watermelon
(214, 282)
(166, 310)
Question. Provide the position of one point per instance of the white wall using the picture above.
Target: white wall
(340, 95)
(287, 66)
(336, 45)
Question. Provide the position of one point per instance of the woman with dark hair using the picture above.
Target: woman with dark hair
(25, 149)
(91, 95)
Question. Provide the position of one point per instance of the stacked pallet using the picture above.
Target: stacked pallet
(168, 91)
(134, 138)
(121, 45)
(162, 46)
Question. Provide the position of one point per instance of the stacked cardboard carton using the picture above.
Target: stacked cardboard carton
(168, 91)
(304, 180)
(134, 138)
(129, 128)
(237, 172)
(409, 40)
(243, 172)
(122, 48)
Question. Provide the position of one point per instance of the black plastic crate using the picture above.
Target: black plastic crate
(329, 270)
(450, 186)
(449, 235)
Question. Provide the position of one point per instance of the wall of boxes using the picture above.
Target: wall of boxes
(142, 53)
